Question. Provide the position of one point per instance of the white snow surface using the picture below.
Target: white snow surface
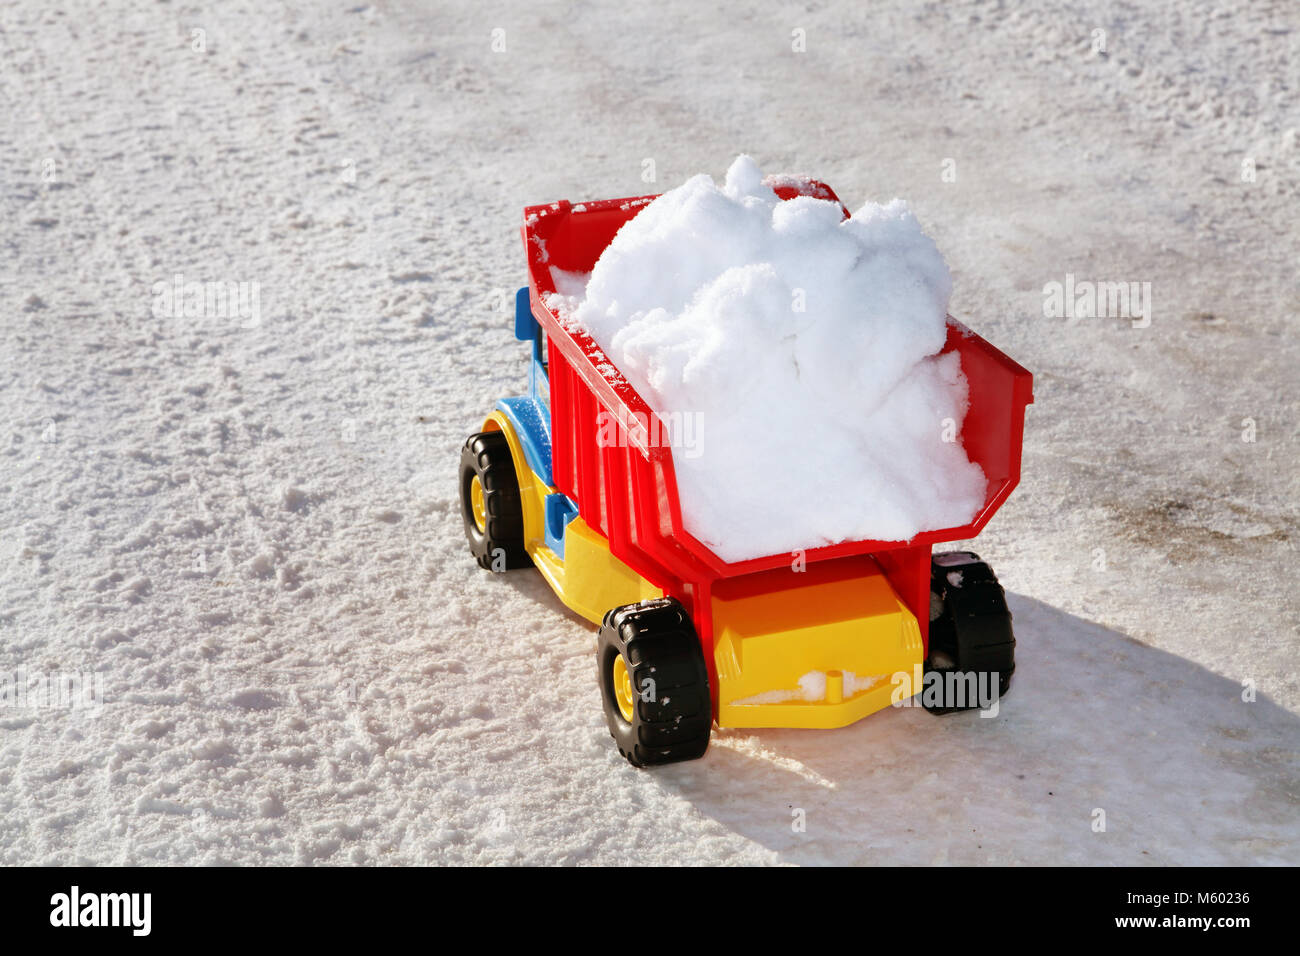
(247, 533)
(802, 348)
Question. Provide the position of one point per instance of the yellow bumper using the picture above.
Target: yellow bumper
(812, 648)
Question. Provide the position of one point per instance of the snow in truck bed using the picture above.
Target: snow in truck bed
(797, 351)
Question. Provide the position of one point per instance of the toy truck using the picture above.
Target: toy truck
(686, 640)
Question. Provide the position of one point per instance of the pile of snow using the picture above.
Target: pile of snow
(799, 350)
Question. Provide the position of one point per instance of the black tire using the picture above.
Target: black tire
(499, 544)
(672, 713)
(970, 629)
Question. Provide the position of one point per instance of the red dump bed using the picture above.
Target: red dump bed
(628, 491)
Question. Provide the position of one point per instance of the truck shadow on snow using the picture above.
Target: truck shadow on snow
(1105, 751)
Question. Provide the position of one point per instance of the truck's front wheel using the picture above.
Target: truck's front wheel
(654, 685)
(489, 503)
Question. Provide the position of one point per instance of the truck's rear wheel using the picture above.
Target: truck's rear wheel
(489, 503)
(970, 634)
(654, 685)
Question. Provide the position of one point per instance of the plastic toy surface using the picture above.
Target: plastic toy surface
(567, 479)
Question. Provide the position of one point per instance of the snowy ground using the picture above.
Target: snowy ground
(247, 530)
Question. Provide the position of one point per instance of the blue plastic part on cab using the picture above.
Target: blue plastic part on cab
(532, 425)
(560, 510)
(525, 324)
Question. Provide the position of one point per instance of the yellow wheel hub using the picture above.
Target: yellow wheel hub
(476, 501)
(623, 688)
